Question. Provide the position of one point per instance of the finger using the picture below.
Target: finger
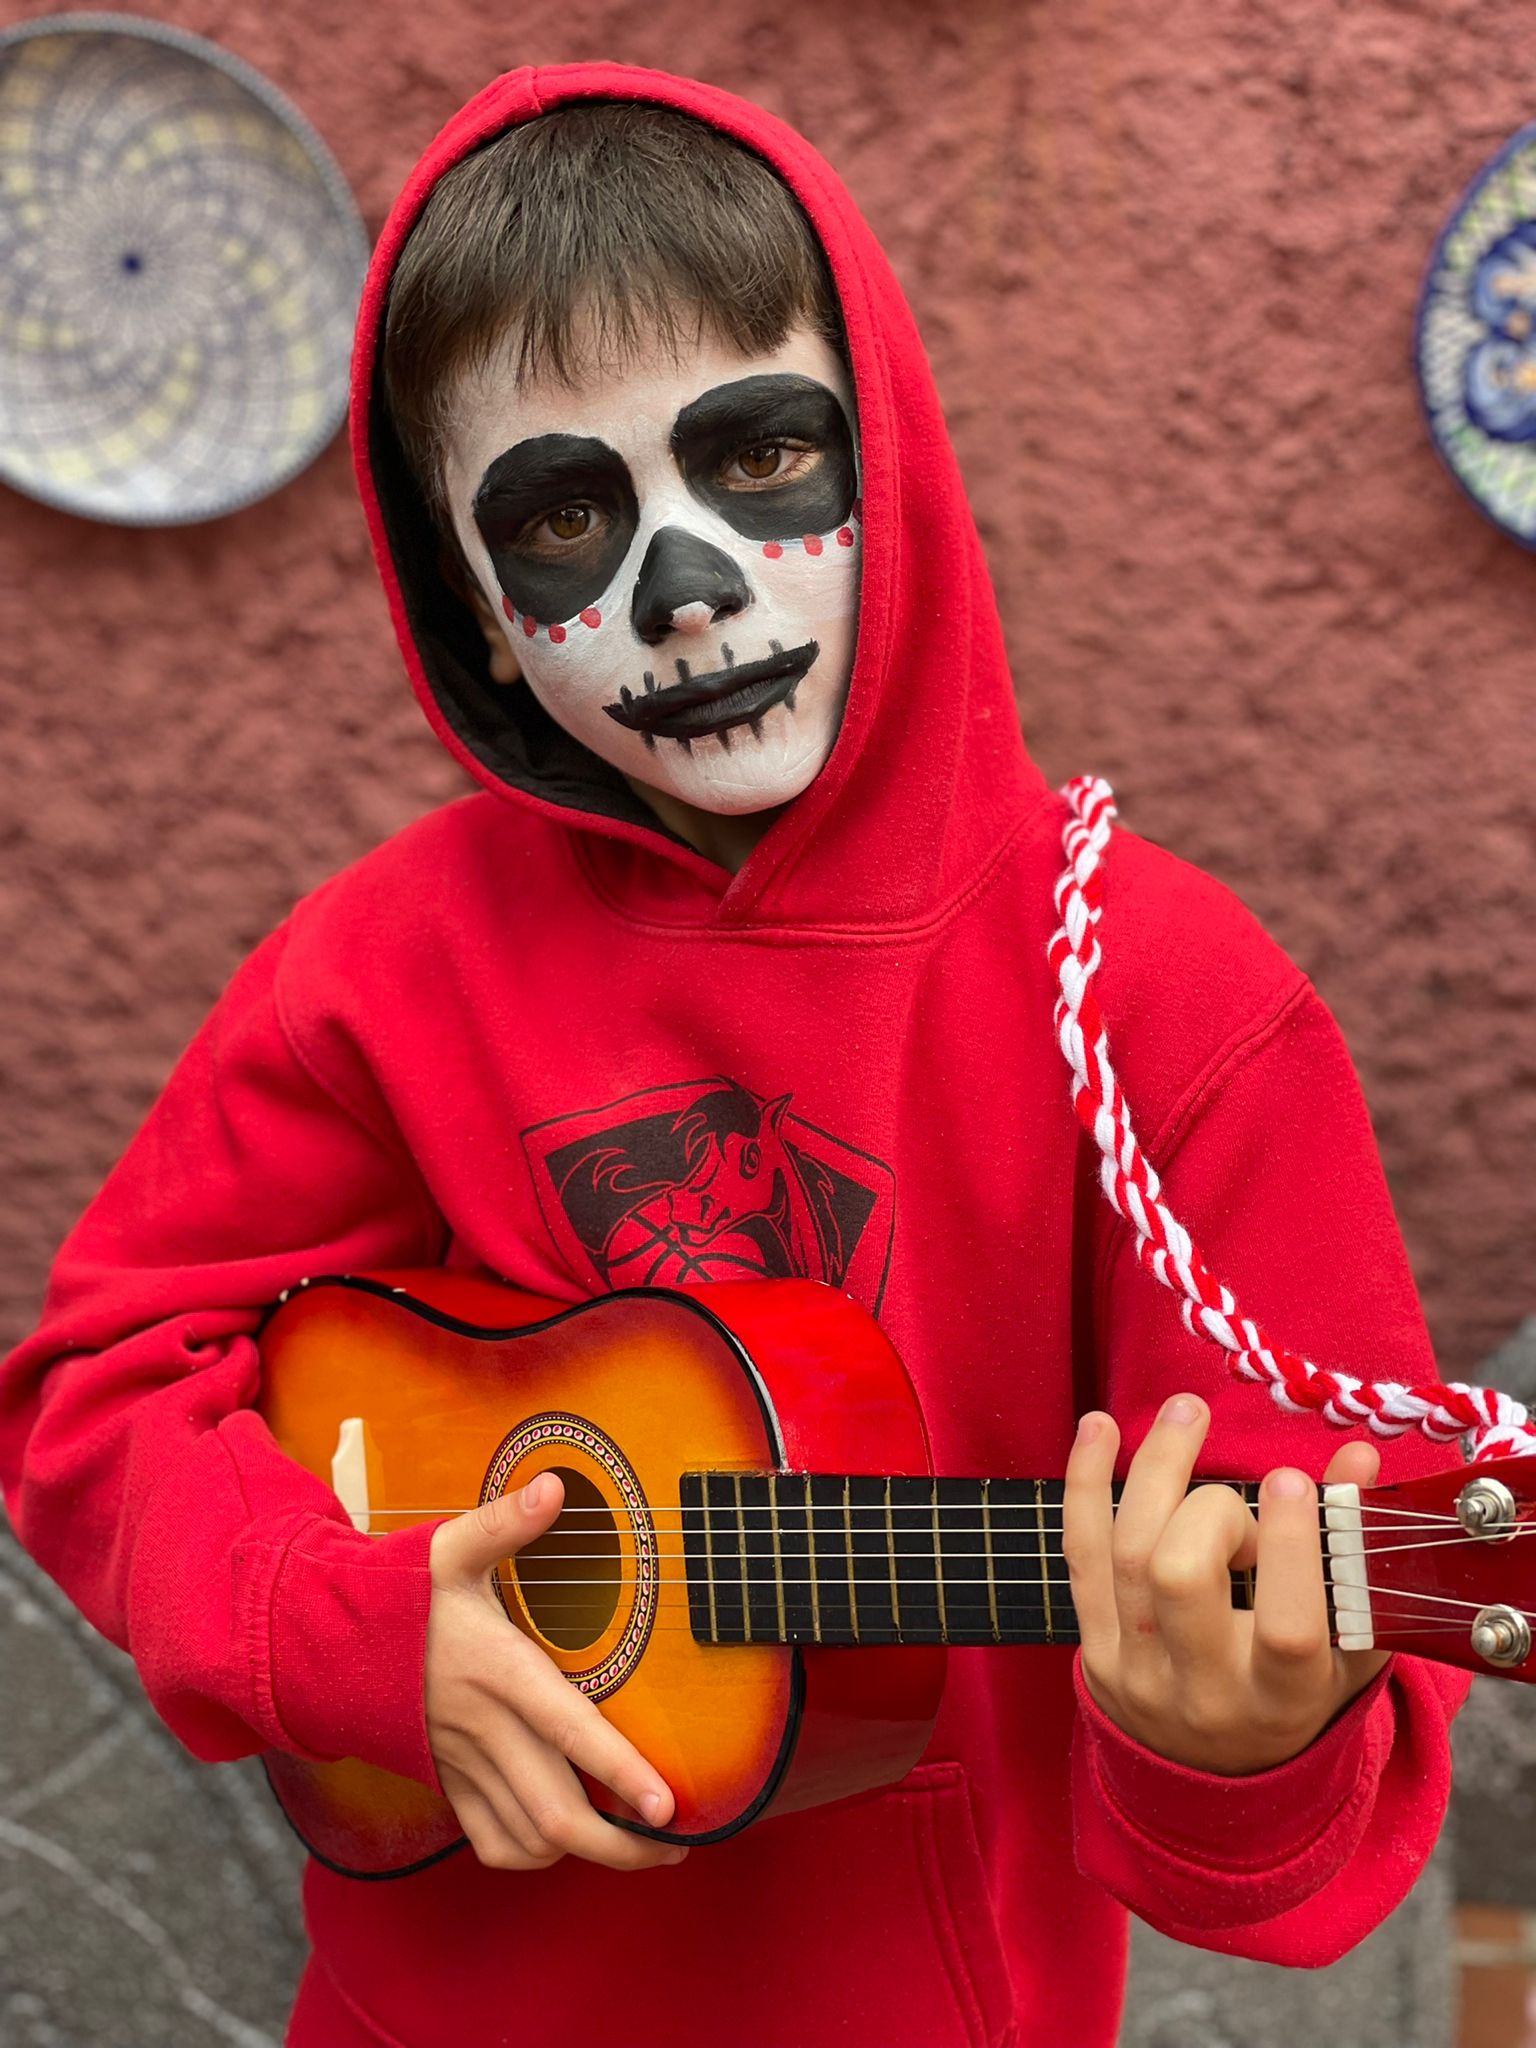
(1158, 1480)
(1087, 1525)
(1192, 1583)
(1291, 1644)
(473, 1544)
(1356, 1464)
(568, 1721)
(488, 1829)
(564, 1819)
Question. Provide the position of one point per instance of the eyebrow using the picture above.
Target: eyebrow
(755, 405)
(526, 475)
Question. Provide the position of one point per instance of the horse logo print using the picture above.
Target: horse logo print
(706, 1181)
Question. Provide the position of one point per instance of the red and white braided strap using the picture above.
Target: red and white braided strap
(1497, 1425)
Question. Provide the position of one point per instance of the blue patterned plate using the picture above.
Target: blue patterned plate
(1476, 339)
(180, 268)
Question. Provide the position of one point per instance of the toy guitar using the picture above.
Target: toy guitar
(748, 1499)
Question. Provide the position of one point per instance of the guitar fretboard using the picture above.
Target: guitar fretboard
(775, 1557)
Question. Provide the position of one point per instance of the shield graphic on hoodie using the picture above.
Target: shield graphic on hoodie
(705, 1180)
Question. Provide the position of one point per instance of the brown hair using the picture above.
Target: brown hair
(590, 232)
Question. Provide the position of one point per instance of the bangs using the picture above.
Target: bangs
(579, 240)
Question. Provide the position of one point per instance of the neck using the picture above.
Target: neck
(723, 837)
(856, 1559)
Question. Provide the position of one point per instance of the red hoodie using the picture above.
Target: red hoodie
(390, 1080)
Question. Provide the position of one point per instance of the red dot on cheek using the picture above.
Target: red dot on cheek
(507, 607)
(530, 626)
(772, 550)
(813, 543)
(591, 616)
(557, 634)
(845, 536)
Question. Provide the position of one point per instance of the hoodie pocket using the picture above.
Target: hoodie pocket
(878, 1919)
(959, 1900)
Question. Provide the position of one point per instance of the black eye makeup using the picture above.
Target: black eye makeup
(557, 514)
(725, 441)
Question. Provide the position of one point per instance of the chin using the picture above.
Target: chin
(753, 775)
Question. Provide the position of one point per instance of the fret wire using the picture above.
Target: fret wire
(811, 1560)
(853, 1597)
(986, 1534)
(778, 1559)
(890, 1542)
(938, 1567)
(1045, 1566)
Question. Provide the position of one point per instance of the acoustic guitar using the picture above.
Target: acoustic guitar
(756, 1573)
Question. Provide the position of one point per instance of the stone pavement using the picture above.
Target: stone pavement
(145, 1901)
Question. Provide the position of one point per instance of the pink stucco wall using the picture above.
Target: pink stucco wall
(1165, 255)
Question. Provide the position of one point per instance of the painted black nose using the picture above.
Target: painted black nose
(680, 569)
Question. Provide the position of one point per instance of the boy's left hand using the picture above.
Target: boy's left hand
(1165, 1653)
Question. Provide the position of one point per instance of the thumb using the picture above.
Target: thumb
(469, 1545)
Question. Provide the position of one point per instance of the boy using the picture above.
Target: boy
(684, 575)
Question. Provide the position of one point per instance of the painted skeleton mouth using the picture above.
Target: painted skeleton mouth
(741, 693)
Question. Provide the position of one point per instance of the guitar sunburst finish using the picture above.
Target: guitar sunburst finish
(464, 1389)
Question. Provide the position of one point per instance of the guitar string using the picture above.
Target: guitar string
(923, 1508)
(1028, 1549)
(872, 1584)
(1412, 1624)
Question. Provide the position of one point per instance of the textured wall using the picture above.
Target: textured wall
(1165, 255)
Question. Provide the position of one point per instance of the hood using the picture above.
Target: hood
(929, 775)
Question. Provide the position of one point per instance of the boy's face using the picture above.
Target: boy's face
(670, 554)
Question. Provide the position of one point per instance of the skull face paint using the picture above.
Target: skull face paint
(675, 551)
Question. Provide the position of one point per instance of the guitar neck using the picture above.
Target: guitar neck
(851, 1559)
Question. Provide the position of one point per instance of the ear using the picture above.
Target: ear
(459, 577)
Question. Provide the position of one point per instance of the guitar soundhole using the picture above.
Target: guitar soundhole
(570, 1576)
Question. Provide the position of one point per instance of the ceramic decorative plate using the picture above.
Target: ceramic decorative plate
(1476, 341)
(180, 268)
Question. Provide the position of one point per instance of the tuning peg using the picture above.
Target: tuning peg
(1486, 1507)
(1502, 1636)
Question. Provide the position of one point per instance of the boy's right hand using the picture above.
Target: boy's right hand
(504, 1723)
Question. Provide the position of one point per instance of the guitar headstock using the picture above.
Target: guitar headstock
(1440, 1567)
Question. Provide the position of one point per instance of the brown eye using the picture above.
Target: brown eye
(761, 462)
(571, 522)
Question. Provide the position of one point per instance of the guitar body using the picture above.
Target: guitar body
(424, 1392)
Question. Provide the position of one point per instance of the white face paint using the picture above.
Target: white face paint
(673, 553)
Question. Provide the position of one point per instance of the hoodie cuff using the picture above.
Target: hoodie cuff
(347, 1646)
(1225, 1849)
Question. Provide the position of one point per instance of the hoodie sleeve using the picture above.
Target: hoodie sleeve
(1272, 1166)
(135, 1467)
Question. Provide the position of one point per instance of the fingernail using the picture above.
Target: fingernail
(677, 1856)
(1182, 1408)
(534, 1492)
(651, 1806)
(1286, 1484)
(1087, 1429)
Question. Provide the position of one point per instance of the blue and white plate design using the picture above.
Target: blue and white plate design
(1476, 339)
